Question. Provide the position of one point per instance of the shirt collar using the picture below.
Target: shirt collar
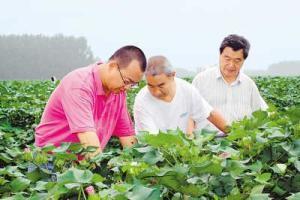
(96, 75)
(219, 76)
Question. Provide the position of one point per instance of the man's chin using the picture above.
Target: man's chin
(231, 74)
(117, 91)
(161, 97)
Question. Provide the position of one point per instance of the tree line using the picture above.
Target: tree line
(41, 57)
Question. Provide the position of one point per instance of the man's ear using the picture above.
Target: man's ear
(112, 64)
(172, 75)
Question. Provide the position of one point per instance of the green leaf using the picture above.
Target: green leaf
(193, 190)
(276, 133)
(296, 182)
(97, 178)
(122, 187)
(260, 139)
(278, 190)
(56, 191)
(171, 182)
(13, 152)
(236, 134)
(222, 185)
(263, 178)
(294, 113)
(19, 184)
(5, 157)
(40, 186)
(75, 147)
(152, 157)
(15, 197)
(297, 165)
(205, 167)
(256, 167)
(164, 139)
(62, 148)
(295, 196)
(141, 192)
(48, 148)
(65, 156)
(258, 189)
(89, 149)
(2, 181)
(74, 175)
(72, 185)
(38, 196)
(235, 194)
(279, 168)
(260, 115)
(11, 171)
(144, 149)
(193, 180)
(259, 197)
(295, 150)
(292, 149)
(236, 167)
(35, 175)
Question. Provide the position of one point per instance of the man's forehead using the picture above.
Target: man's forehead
(157, 78)
(233, 54)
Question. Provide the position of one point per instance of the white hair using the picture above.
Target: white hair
(159, 65)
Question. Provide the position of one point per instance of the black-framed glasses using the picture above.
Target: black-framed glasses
(127, 83)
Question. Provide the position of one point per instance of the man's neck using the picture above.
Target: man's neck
(229, 79)
(103, 72)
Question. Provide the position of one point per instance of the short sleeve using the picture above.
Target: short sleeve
(77, 105)
(200, 107)
(257, 102)
(142, 118)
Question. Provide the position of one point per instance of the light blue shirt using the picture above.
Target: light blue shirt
(234, 101)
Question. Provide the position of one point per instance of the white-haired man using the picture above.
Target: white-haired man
(167, 102)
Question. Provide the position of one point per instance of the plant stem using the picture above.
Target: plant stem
(166, 157)
(79, 195)
(83, 193)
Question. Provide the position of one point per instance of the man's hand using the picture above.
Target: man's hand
(90, 139)
(127, 141)
(190, 128)
(217, 119)
(220, 134)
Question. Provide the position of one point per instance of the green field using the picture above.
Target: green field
(260, 159)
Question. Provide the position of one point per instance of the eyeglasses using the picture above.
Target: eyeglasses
(126, 82)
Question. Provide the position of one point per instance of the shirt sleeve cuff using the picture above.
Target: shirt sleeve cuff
(83, 129)
(128, 132)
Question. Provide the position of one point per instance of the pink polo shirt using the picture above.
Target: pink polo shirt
(79, 104)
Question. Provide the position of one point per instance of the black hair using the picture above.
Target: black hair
(236, 42)
(128, 53)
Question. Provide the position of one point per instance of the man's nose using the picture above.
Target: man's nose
(156, 92)
(127, 87)
(232, 64)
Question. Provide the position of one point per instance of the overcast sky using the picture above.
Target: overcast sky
(187, 32)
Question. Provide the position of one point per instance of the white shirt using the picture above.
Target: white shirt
(152, 114)
(234, 101)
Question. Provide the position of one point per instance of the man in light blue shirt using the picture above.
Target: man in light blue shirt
(226, 88)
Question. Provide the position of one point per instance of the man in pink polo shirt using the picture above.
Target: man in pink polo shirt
(89, 104)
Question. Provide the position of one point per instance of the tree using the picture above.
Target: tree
(40, 57)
